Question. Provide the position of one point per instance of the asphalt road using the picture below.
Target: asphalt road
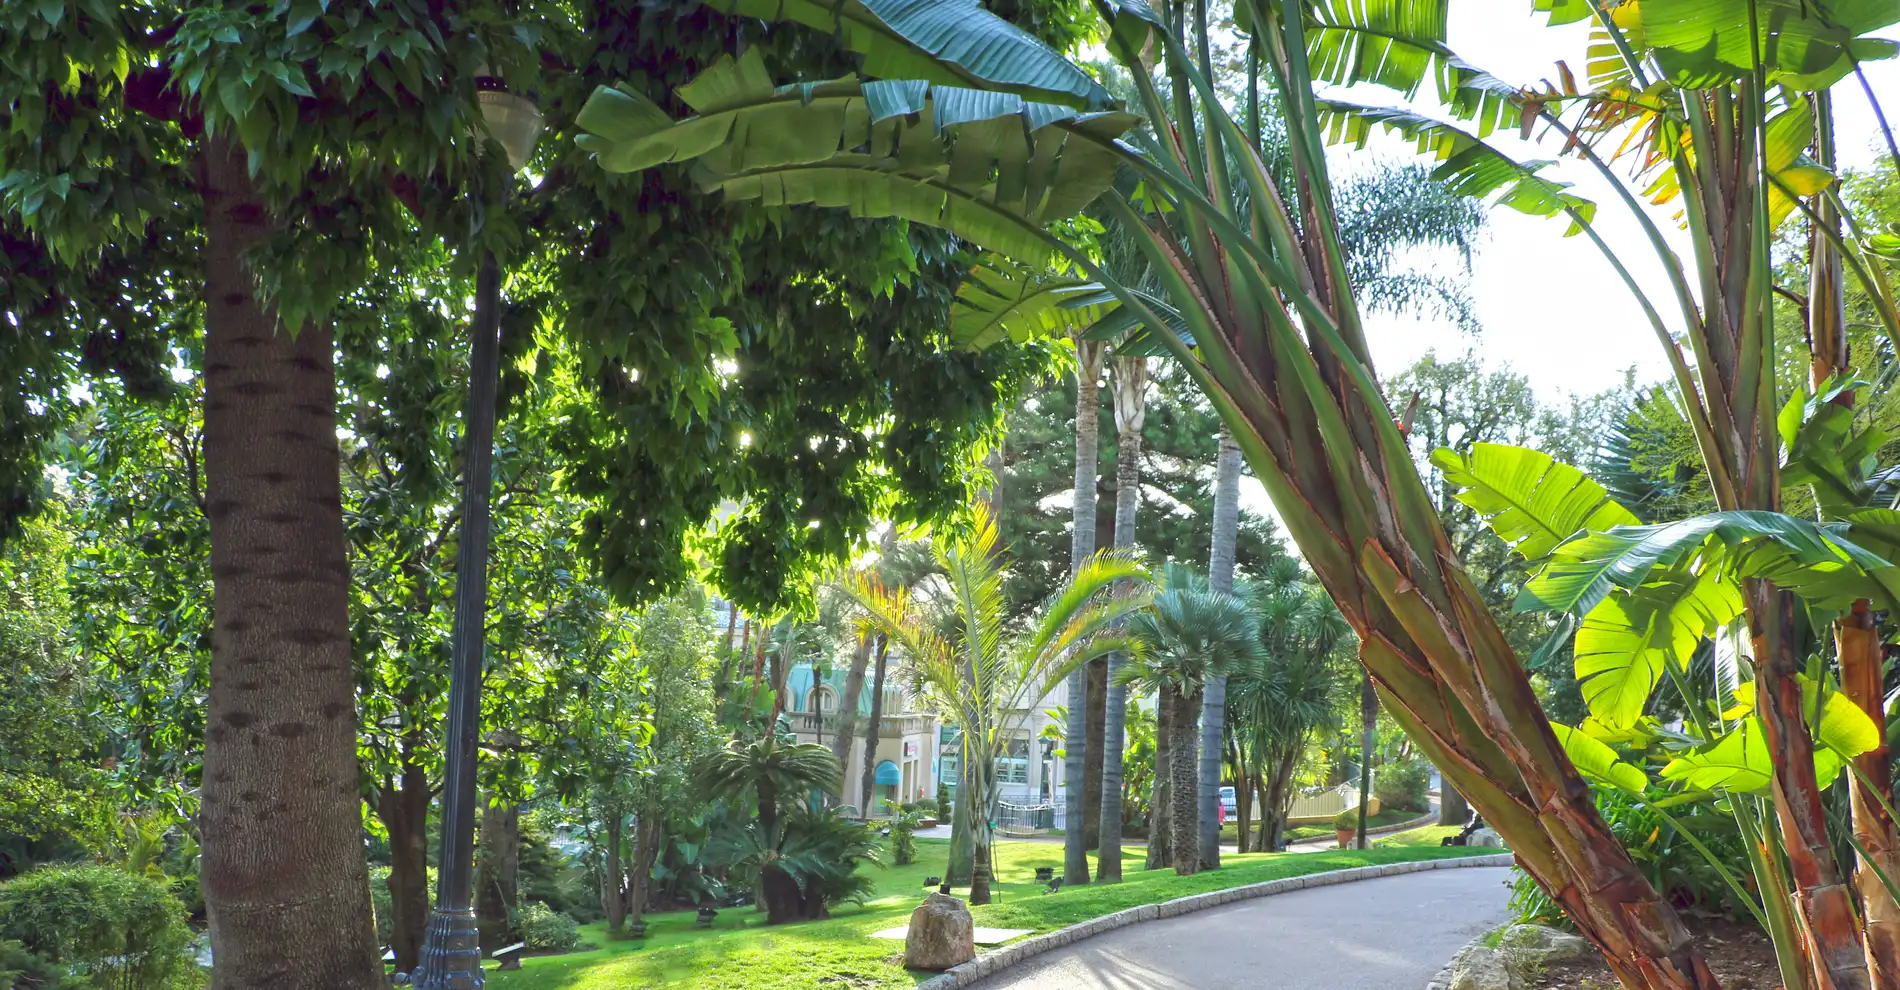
(1392, 933)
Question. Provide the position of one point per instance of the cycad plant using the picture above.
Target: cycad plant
(772, 770)
(972, 126)
(1190, 634)
(985, 676)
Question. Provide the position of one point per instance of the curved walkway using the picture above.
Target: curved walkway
(1392, 933)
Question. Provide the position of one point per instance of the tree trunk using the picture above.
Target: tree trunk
(1243, 800)
(646, 847)
(981, 794)
(613, 893)
(961, 869)
(1160, 795)
(869, 783)
(1220, 577)
(1368, 741)
(1131, 384)
(285, 881)
(498, 872)
(1452, 809)
(1095, 720)
(848, 709)
(1185, 787)
(1075, 835)
(1276, 795)
(404, 810)
(1858, 643)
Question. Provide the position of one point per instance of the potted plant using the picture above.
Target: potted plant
(1345, 826)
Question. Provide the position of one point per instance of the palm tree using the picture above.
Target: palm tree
(1190, 634)
(1088, 371)
(972, 669)
(1131, 394)
(1220, 577)
(1283, 694)
(769, 769)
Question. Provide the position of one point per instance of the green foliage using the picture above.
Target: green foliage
(1190, 633)
(545, 929)
(20, 968)
(125, 929)
(943, 801)
(903, 823)
(1347, 821)
(1402, 785)
(1529, 499)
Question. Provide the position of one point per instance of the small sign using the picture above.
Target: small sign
(910, 748)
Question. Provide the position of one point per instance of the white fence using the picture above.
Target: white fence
(1019, 820)
(1324, 803)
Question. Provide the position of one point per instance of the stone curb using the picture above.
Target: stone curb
(997, 960)
(1442, 981)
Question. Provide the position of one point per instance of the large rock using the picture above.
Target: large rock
(1539, 944)
(1486, 838)
(1481, 967)
(941, 934)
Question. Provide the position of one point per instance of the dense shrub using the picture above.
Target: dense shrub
(22, 969)
(121, 929)
(943, 801)
(1402, 786)
(904, 827)
(1348, 820)
(543, 928)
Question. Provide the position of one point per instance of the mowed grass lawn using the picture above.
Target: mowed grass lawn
(741, 953)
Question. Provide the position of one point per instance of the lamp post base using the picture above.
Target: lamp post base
(451, 952)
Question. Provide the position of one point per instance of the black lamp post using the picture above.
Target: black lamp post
(451, 949)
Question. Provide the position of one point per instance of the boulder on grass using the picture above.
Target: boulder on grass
(1540, 944)
(1486, 838)
(941, 934)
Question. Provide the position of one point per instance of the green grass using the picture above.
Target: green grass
(1417, 837)
(1230, 832)
(741, 953)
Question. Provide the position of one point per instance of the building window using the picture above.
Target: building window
(822, 700)
(1012, 765)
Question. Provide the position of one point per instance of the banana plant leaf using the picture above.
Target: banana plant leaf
(1529, 499)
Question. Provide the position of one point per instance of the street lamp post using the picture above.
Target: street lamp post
(451, 948)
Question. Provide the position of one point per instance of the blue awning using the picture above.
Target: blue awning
(887, 773)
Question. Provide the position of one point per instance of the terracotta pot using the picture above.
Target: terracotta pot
(1344, 835)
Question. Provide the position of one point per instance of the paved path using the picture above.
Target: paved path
(1392, 933)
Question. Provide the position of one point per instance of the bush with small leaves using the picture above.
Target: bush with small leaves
(120, 929)
(546, 929)
(1402, 785)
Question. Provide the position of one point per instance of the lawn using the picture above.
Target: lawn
(1230, 832)
(1417, 837)
(741, 953)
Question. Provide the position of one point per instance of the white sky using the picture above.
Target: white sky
(1550, 306)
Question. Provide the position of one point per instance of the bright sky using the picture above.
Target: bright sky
(1550, 306)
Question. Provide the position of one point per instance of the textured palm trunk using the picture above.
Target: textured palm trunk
(284, 877)
(1220, 577)
(848, 709)
(961, 869)
(1094, 723)
(1131, 387)
(1075, 836)
(404, 810)
(498, 871)
(868, 784)
(1184, 786)
(1160, 796)
(1860, 653)
(982, 794)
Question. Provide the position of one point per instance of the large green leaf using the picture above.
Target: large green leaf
(1628, 638)
(1395, 43)
(1597, 762)
(1000, 299)
(1737, 762)
(1802, 44)
(1528, 498)
(986, 166)
(1466, 163)
(1584, 570)
(949, 42)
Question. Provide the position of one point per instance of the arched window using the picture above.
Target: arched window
(822, 701)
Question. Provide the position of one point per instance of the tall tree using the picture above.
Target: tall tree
(1088, 371)
(1220, 577)
(1131, 393)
